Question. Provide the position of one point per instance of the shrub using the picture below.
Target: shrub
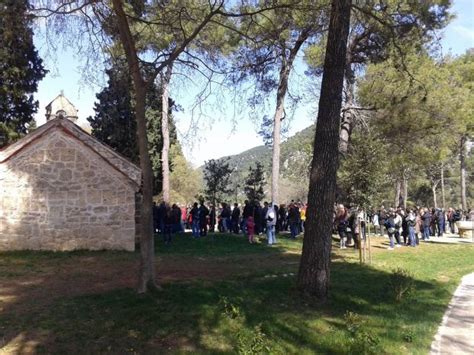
(229, 309)
(254, 343)
(401, 284)
(360, 340)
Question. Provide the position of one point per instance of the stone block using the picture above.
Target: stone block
(65, 175)
(94, 197)
(68, 154)
(100, 210)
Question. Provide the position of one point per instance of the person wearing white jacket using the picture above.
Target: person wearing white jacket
(398, 227)
(270, 218)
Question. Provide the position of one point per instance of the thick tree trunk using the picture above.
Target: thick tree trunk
(314, 270)
(398, 187)
(462, 158)
(443, 196)
(348, 119)
(165, 131)
(146, 277)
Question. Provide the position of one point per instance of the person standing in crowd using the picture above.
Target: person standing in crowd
(440, 218)
(375, 222)
(195, 220)
(271, 222)
(293, 218)
(451, 220)
(418, 225)
(263, 213)
(225, 217)
(250, 229)
(203, 214)
(183, 217)
(382, 218)
(176, 212)
(426, 218)
(405, 229)
(433, 223)
(303, 217)
(411, 223)
(246, 213)
(391, 228)
(281, 227)
(342, 223)
(257, 217)
(169, 221)
(212, 218)
(398, 226)
(235, 218)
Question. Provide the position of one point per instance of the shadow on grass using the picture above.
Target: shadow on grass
(193, 317)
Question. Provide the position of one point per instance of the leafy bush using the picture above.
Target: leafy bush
(401, 284)
(229, 309)
(255, 342)
(360, 340)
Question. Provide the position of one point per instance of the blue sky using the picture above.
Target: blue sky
(224, 126)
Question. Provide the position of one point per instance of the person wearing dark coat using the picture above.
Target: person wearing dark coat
(195, 220)
(235, 218)
(176, 212)
(225, 217)
(203, 213)
(257, 217)
(440, 218)
(263, 213)
(246, 213)
(426, 219)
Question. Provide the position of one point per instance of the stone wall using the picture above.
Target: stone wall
(57, 194)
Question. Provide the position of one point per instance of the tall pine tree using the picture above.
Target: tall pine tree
(114, 120)
(21, 69)
(254, 183)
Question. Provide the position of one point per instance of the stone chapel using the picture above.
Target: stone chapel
(62, 189)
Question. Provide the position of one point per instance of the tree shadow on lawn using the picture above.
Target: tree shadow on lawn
(211, 316)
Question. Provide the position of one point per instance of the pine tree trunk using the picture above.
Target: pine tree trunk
(165, 133)
(314, 270)
(462, 158)
(276, 146)
(396, 200)
(279, 110)
(348, 119)
(405, 192)
(443, 196)
(435, 199)
(146, 277)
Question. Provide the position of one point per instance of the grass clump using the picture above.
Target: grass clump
(401, 284)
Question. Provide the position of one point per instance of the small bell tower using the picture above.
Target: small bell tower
(62, 108)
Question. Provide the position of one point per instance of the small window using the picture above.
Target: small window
(61, 114)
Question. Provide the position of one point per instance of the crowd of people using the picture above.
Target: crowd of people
(251, 219)
(412, 224)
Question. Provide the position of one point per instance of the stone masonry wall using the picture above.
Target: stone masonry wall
(56, 194)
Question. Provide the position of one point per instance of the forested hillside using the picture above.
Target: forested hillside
(295, 159)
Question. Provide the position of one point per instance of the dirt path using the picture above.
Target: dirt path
(456, 333)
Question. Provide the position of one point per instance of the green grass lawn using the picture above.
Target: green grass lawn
(252, 308)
